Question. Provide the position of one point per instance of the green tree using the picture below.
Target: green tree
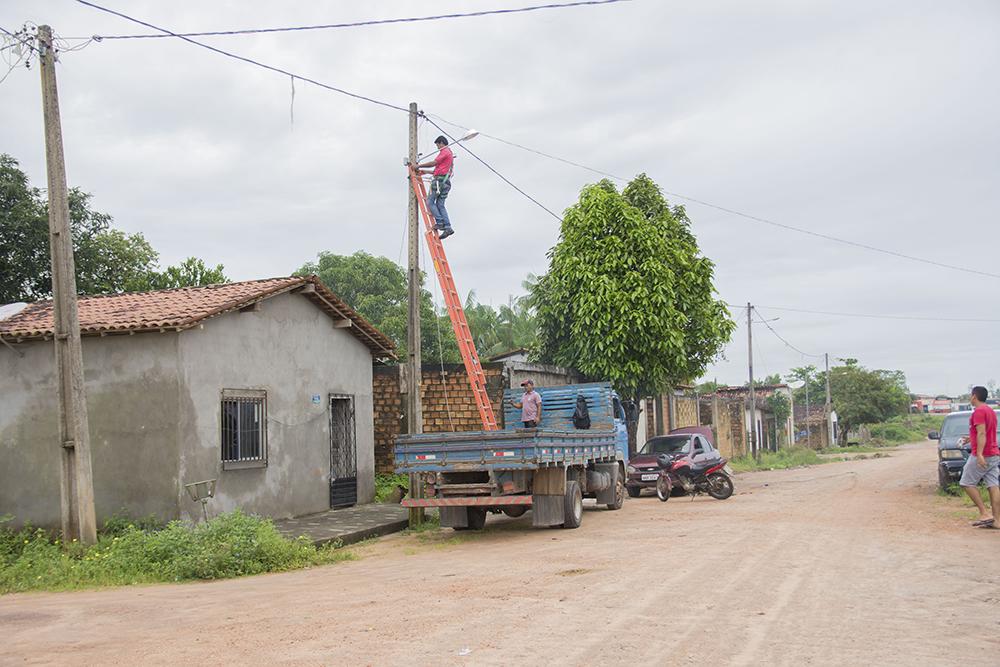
(863, 396)
(781, 407)
(497, 330)
(376, 288)
(192, 272)
(107, 260)
(816, 381)
(628, 297)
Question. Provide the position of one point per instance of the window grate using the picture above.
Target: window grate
(244, 427)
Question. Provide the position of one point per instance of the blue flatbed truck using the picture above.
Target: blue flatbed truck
(549, 469)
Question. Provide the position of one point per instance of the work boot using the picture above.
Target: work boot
(448, 231)
(439, 226)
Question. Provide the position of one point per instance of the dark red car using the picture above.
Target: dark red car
(692, 442)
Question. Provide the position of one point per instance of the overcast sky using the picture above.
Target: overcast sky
(875, 122)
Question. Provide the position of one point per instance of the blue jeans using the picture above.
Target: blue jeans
(440, 187)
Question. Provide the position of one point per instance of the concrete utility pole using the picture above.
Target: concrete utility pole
(77, 481)
(829, 405)
(753, 407)
(414, 410)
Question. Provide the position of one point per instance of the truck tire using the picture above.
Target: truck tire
(514, 511)
(477, 518)
(634, 491)
(619, 492)
(572, 505)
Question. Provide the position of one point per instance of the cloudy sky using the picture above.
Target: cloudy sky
(874, 122)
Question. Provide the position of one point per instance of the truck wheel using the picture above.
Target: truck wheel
(619, 493)
(514, 511)
(634, 491)
(572, 505)
(477, 518)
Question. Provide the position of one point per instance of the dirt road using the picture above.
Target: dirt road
(847, 563)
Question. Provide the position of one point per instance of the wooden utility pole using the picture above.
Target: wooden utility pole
(753, 407)
(77, 482)
(414, 411)
(828, 411)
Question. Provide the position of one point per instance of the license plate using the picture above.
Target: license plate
(650, 478)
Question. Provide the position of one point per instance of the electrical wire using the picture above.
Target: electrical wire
(497, 173)
(731, 211)
(245, 59)
(359, 24)
(760, 318)
(828, 237)
(916, 318)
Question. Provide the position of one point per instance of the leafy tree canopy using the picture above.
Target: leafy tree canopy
(863, 396)
(628, 296)
(107, 260)
(376, 288)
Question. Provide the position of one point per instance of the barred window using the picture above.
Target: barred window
(244, 428)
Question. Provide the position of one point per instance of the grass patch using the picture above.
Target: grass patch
(852, 449)
(386, 485)
(790, 457)
(229, 545)
(905, 428)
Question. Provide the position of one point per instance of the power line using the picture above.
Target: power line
(498, 174)
(767, 324)
(359, 24)
(251, 61)
(800, 230)
(883, 317)
(389, 105)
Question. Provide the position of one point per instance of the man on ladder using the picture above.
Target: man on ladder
(440, 185)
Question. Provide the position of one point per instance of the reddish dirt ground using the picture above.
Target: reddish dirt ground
(846, 563)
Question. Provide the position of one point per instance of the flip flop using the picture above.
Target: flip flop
(983, 523)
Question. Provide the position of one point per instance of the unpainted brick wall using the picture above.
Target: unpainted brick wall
(447, 401)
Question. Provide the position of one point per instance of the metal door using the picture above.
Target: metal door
(343, 452)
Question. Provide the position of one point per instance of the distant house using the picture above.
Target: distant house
(264, 385)
(769, 432)
(519, 354)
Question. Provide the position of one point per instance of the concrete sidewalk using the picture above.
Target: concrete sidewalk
(349, 525)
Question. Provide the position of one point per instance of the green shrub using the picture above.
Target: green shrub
(789, 457)
(386, 484)
(229, 545)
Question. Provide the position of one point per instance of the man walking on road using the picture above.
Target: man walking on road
(983, 464)
(440, 185)
(530, 405)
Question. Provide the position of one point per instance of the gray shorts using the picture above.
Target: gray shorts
(973, 475)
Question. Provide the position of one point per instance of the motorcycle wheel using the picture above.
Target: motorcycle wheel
(663, 489)
(720, 486)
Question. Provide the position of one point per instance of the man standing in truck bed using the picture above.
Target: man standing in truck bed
(530, 405)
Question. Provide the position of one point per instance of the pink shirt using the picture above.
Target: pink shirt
(530, 404)
(983, 414)
(443, 161)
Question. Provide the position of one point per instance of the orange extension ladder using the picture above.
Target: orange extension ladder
(455, 311)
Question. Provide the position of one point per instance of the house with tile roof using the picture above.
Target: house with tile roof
(264, 386)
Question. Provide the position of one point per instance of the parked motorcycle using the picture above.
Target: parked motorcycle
(711, 478)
